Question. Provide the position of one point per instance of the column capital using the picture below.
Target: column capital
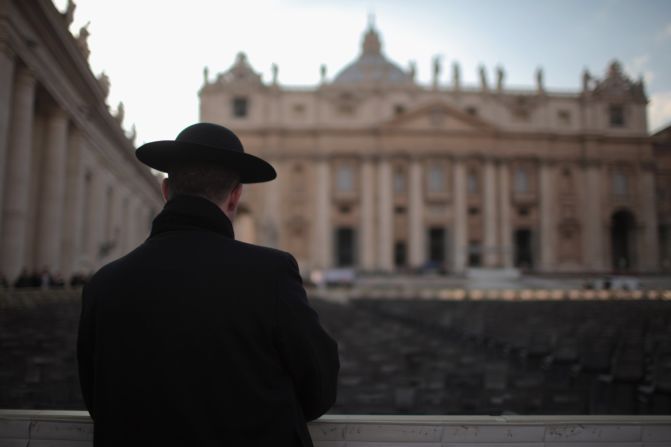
(549, 162)
(25, 77)
(57, 112)
(648, 166)
(590, 163)
(5, 46)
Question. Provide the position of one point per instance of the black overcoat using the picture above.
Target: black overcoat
(197, 339)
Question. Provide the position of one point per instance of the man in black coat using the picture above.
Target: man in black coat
(197, 339)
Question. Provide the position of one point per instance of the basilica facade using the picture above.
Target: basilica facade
(72, 194)
(380, 173)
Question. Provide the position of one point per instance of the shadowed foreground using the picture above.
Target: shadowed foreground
(413, 357)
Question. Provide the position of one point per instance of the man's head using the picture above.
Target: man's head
(216, 183)
(206, 160)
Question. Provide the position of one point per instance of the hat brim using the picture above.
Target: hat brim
(166, 156)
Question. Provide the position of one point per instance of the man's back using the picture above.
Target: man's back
(197, 339)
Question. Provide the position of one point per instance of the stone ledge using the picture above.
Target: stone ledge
(74, 428)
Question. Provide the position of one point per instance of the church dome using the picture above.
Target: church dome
(372, 67)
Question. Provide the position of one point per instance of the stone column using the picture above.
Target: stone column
(505, 218)
(416, 216)
(367, 235)
(51, 201)
(385, 217)
(459, 218)
(272, 214)
(132, 238)
(491, 244)
(72, 223)
(592, 212)
(6, 87)
(648, 258)
(323, 241)
(548, 216)
(125, 240)
(17, 180)
(96, 208)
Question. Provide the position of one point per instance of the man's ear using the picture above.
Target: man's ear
(165, 189)
(234, 199)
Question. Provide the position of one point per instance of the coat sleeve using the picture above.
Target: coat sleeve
(85, 349)
(309, 354)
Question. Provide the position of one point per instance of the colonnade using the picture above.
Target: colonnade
(498, 216)
(66, 204)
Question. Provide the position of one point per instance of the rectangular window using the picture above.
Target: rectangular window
(436, 179)
(472, 182)
(240, 106)
(620, 185)
(399, 181)
(345, 178)
(564, 117)
(616, 115)
(521, 181)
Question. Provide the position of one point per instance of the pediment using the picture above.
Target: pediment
(438, 116)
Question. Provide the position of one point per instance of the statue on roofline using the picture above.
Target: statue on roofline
(69, 14)
(456, 76)
(539, 80)
(82, 40)
(483, 78)
(104, 82)
(500, 76)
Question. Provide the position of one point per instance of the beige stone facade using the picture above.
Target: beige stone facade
(381, 173)
(72, 194)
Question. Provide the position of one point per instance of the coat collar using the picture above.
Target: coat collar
(186, 212)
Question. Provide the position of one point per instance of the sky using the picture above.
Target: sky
(154, 51)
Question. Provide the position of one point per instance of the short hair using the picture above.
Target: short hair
(210, 181)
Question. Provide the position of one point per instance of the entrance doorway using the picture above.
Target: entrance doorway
(345, 247)
(437, 246)
(523, 249)
(400, 254)
(622, 234)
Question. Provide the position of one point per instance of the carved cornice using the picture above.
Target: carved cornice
(5, 44)
(648, 165)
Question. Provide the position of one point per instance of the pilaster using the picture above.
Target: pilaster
(649, 246)
(505, 226)
(367, 238)
(548, 216)
(323, 238)
(593, 245)
(385, 218)
(491, 243)
(459, 217)
(416, 215)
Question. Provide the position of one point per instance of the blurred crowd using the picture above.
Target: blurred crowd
(44, 279)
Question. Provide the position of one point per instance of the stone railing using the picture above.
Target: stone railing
(74, 428)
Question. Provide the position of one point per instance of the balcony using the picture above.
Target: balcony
(74, 428)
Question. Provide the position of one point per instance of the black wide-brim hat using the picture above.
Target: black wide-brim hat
(206, 143)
